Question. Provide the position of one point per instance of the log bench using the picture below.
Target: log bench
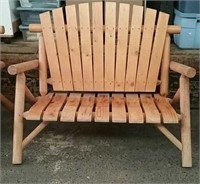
(106, 63)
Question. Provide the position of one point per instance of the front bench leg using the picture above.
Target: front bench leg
(185, 122)
(18, 118)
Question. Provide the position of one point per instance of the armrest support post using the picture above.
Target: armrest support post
(185, 122)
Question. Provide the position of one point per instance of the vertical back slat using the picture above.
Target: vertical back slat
(97, 28)
(157, 51)
(134, 46)
(51, 50)
(110, 26)
(145, 50)
(86, 52)
(122, 40)
(74, 47)
(62, 46)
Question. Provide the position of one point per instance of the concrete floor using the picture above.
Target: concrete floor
(98, 153)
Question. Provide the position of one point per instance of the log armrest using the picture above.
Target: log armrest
(182, 69)
(23, 67)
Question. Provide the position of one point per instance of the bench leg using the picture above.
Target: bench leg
(185, 122)
(18, 119)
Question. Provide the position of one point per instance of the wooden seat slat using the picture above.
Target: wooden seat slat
(145, 50)
(51, 113)
(118, 109)
(134, 47)
(51, 51)
(62, 46)
(135, 113)
(74, 47)
(86, 108)
(68, 113)
(102, 108)
(86, 53)
(110, 35)
(36, 111)
(152, 114)
(122, 40)
(168, 114)
(98, 60)
(157, 51)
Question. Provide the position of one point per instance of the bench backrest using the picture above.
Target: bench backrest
(104, 47)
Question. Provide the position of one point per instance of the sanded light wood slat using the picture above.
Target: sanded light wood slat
(51, 51)
(110, 34)
(145, 50)
(152, 114)
(157, 51)
(102, 108)
(52, 111)
(36, 111)
(62, 46)
(135, 113)
(118, 108)
(134, 47)
(74, 48)
(168, 114)
(68, 113)
(86, 108)
(98, 62)
(86, 45)
(122, 40)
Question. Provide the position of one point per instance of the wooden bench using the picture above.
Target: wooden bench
(107, 64)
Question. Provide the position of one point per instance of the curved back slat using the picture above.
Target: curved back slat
(134, 47)
(62, 47)
(74, 47)
(86, 52)
(51, 51)
(98, 60)
(158, 45)
(122, 40)
(145, 50)
(110, 36)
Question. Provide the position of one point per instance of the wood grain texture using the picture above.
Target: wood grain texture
(74, 47)
(110, 34)
(62, 47)
(118, 108)
(145, 50)
(68, 113)
(36, 111)
(51, 113)
(168, 114)
(102, 108)
(98, 60)
(135, 113)
(86, 52)
(157, 52)
(51, 51)
(86, 108)
(134, 47)
(122, 41)
(152, 114)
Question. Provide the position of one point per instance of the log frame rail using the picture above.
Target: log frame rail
(77, 107)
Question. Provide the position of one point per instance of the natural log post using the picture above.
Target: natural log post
(18, 118)
(185, 122)
(176, 98)
(165, 67)
(29, 96)
(42, 67)
(171, 29)
(22, 67)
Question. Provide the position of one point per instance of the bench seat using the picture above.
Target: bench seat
(103, 107)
